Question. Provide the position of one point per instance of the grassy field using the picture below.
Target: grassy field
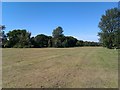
(82, 67)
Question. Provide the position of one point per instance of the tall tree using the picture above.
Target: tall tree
(110, 28)
(57, 37)
(57, 32)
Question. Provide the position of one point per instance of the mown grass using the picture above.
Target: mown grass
(82, 67)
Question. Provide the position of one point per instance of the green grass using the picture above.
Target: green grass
(82, 67)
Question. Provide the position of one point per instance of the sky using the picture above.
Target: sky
(78, 19)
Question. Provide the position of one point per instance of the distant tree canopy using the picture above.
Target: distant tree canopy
(110, 28)
(22, 39)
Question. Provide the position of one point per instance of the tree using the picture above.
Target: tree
(50, 41)
(57, 43)
(110, 28)
(65, 43)
(57, 37)
(3, 38)
(19, 38)
(70, 41)
(41, 40)
(57, 32)
(33, 43)
(79, 43)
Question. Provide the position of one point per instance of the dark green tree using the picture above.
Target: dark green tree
(33, 43)
(18, 38)
(41, 40)
(110, 28)
(70, 41)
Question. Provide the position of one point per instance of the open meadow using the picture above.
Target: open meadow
(80, 67)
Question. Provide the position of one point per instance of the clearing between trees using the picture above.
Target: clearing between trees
(80, 67)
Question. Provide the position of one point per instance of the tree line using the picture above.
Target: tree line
(22, 39)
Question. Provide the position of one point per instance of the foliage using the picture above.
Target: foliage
(88, 43)
(41, 40)
(80, 43)
(3, 38)
(110, 29)
(18, 38)
(71, 41)
(21, 39)
(57, 32)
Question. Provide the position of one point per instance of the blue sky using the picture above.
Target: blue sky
(78, 19)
